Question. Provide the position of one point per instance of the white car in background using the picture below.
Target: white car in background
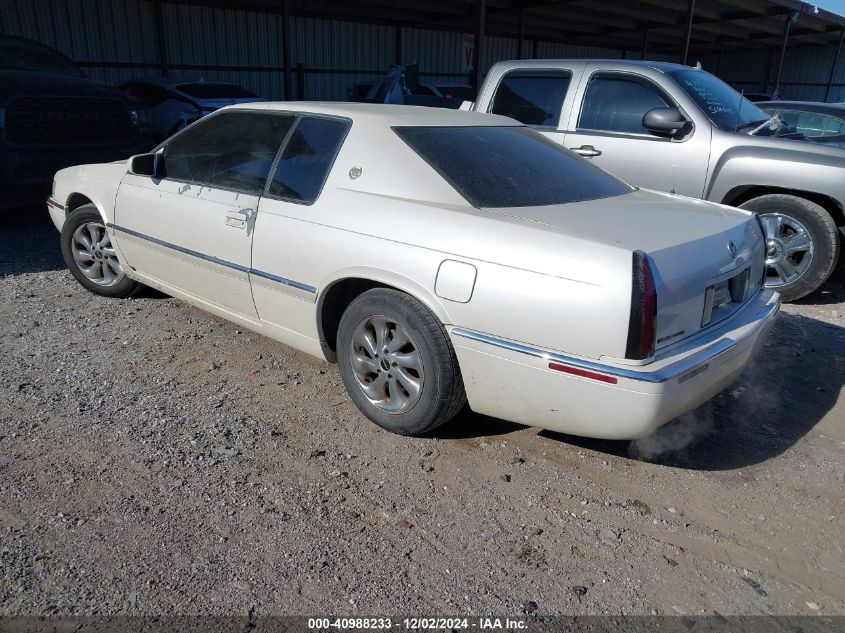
(439, 256)
(175, 104)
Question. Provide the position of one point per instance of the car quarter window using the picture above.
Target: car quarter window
(617, 103)
(307, 158)
(495, 167)
(532, 97)
(230, 150)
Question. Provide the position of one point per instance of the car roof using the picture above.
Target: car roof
(386, 114)
(809, 106)
(641, 63)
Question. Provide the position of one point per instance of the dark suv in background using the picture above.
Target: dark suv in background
(52, 116)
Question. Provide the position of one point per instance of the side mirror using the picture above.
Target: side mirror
(144, 165)
(665, 121)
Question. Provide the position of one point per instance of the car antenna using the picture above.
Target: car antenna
(738, 110)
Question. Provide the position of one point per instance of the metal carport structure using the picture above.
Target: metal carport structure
(310, 48)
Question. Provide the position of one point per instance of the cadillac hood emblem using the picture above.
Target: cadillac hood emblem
(732, 249)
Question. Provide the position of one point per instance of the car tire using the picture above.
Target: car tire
(398, 364)
(790, 222)
(90, 256)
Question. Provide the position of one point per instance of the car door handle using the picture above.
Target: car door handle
(586, 150)
(238, 219)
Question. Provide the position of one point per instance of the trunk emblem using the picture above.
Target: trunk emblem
(732, 249)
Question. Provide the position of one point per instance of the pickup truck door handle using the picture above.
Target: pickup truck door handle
(238, 219)
(586, 150)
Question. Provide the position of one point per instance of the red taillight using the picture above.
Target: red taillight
(642, 329)
(583, 373)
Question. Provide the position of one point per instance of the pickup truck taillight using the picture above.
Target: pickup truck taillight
(642, 330)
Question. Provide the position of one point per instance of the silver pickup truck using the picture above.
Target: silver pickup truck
(679, 129)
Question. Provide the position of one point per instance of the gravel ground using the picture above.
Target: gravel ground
(157, 460)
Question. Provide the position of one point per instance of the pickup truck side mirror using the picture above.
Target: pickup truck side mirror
(665, 121)
(144, 165)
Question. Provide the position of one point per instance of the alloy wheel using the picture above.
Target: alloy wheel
(789, 249)
(94, 255)
(387, 364)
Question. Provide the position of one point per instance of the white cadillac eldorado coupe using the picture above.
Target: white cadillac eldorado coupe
(439, 256)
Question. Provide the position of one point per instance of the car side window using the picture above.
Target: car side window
(806, 123)
(835, 127)
(307, 158)
(617, 103)
(230, 150)
(532, 97)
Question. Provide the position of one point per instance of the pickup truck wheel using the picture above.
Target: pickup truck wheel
(397, 363)
(802, 243)
(90, 256)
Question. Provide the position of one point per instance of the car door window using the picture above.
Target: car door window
(230, 150)
(616, 103)
(307, 159)
(532, 97)
(806, 123)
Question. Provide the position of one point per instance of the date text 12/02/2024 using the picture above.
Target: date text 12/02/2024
(418, 624)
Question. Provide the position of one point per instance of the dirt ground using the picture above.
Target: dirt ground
(157, 460)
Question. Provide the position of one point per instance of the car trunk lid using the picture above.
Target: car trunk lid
(704, 256)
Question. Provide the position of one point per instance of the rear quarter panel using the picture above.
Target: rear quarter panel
(533, 300)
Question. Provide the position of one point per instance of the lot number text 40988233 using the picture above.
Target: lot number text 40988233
(418, 624)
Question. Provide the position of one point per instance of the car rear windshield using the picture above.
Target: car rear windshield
(216, 91)
(496, 167)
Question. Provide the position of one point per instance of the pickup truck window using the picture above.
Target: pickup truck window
(307, 158)
(532, 97)
(496, 167)
(723, 105)
(230, 150)
(617, 103)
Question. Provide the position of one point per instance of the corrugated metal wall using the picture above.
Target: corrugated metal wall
(804, 77)
(117, 40)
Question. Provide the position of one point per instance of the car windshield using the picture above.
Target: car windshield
(496, 167)
(723, 105)
(216, 91)
(18, 54)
